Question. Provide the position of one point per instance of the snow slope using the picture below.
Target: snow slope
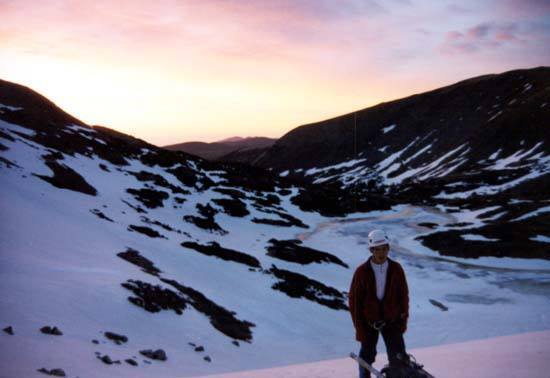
(517, 356)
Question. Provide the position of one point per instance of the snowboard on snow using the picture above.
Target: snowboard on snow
(408, 368)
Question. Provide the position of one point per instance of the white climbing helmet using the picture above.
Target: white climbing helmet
(377, 237)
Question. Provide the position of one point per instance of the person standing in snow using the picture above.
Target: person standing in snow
(379, 302)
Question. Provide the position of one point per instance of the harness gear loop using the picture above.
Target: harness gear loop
(378, 325)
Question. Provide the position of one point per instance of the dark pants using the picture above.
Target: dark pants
(393, 338)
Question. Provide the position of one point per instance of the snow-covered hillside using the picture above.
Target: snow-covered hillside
(125, 248)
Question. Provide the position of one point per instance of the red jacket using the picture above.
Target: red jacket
(364, 306)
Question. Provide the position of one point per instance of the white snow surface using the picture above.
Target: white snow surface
(59, 267)
(513, 356)
(386, 130)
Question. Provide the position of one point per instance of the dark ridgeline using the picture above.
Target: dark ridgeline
(241, 150)
(489, 112)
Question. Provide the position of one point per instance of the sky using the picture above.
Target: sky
(171, 71)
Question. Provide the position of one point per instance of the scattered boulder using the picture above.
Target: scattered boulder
(66, 178)
(233, 207)
(8, 330)
(136, 208)
(51, 331)
(199, 349)
(428, 225)
(214, 249)
(296, 285)
(207, 359)
(293, 251)
(146, 265)
(106, 359)
(100, 214)
(118, 339)
(54, 372)
(95, 341)
(440, 305)
(131, 361)
(235, 342)
(206, 222)
(165, 226)
(149, 197)
(154, 298)
(220, 318)
(146, 231)
(158, 354)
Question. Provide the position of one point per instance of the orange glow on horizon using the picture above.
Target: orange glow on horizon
(207, 70)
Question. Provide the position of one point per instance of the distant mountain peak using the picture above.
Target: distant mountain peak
(232, 139)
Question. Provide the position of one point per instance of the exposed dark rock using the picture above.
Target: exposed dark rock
(295, 221)
(268, 200)
(439, 305)
(95, 341)
(136, 208)
(158, 354)
(459, 224)
(51, 331)
(214, 249)
(296, 285)
(118, 339)
(207, 221)
(222, 319)
(250, 178)
(233, 207)
(146, 265)
(3, 135)
(148, 197)
(8, 330)
(158, 180)
(185, 175)
(144, 219)
(54, 372)
(207, 359)
(106, 359)
(131, 361)
(66, 178)
(285, 192)
(235, 342)
(505, 239)
(332, 201)
(428, 225)
(199, 349)
(293, 251)
(272, 222)
(154, 298)
(8, 163)
(234, 193)
(104, 167)
(146, 231)
(100, 214)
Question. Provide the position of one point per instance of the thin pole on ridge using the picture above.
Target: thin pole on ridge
(355, 154)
